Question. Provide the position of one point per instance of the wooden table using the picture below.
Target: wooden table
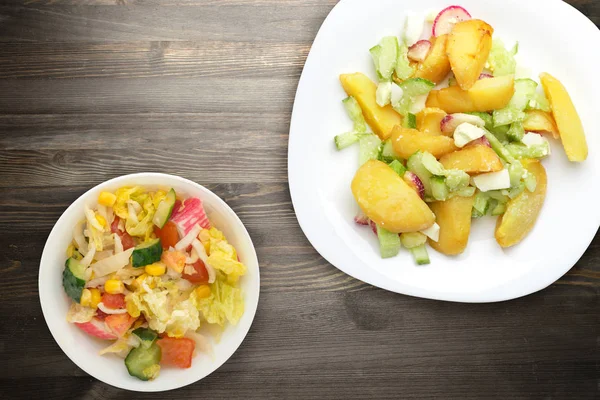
(93, 89)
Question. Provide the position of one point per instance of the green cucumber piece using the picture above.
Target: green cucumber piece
(421, 255)
(415, 165)
(481, 205)
(520, 151)
(370, 147)
(502, 61)
(398, 168)
(146, 253)
(413, 239)
(516, 172)
(499, 148)
(487, 118)
(525, 91)
(439, 190)
(412, 88)
(347, 139)
(516, 191)
(516, 132)
(530, 182)
(403, 68)
(389, 243)
(355, 113)
(499, 209)
(74, 279)
(385, 57)
(410, 121)
(164, 209)
(469, 191)
(140, 362)
(388, 154)
(146, 335)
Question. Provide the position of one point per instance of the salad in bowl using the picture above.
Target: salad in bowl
(459, 132)
(152, 279)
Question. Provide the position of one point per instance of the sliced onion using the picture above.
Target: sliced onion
(107, 310)
(96, 282)
(171, 273)
(110, 215)
(202, 343)
(79, 238)
(89, 257)
(91, 219)
(193, 257)
(184, 284)
(212, 274)
(112, 264)
(189, 269)
(101, 255)
(118, 244)
(189, 238)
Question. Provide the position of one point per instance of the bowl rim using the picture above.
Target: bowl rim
(42, 292)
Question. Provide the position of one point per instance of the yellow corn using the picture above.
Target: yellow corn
(86, 298)
(131, 307)
(203, 291)
(96, 297)
(107, 199)
(207, 247)
(114, 286)
(101, 220)
(156, 269)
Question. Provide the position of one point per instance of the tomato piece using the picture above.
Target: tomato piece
(168, 235)
(177, 352)
(113, 301)
(200, 275)
(114, 227)
(101, 315)
(119, 323)
(126, 239)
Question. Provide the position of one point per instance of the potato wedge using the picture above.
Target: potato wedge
(429, 121)
(387, 200)
(436, 65)
(454, 218)
(381, 119)
(469, 46)
(540, 122)
(567, 119)
(522, 212)
(485, 95)
(473, 159)
(407, 142)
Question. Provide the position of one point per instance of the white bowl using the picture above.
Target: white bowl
(554, 37)
(82, 349)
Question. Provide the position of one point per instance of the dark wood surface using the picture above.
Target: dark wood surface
(93, 89)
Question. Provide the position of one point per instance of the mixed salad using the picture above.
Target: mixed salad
(458, 132)
(145, 270)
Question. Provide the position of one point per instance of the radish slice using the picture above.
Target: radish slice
(482, 141)
(419, 51)
(415, 182)
(361, 219)
(485, 76)
(452, 121)
(373, 227)
(447, 18)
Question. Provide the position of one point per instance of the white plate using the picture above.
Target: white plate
(554, 37)
(82, 349)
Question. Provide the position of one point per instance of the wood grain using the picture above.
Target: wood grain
(93, 89)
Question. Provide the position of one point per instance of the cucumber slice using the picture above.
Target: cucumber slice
(146, 253)
(481, 205)
(516, 172)
(439, 190)
(525, 91)
(499, 209)
(469, 191)
(389, 243)
(415, 165)
(421, 255)
(355, 113)
(388, 154)
(398, 168)
(403, 68)
(141, 362)
(411, 89)
(516, 132)
(385, 57)
(499, 148)
(520, 151)
(146, 335)
(74, 279)
(410, 121)
(369, 148)
(412, 240)
(487, 118)
(164, 209)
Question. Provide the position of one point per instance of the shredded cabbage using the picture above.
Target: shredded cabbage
(225, 303)
(112, 264)
(80, 314)
(501, 61)
(123, 195)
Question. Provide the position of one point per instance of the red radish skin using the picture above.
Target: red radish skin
(447, 18)
(481, 141)
(485, 76)
(97, 328)
(452, 121)
(419, 51)
(361, 220)
(415, 182)
(373, 227)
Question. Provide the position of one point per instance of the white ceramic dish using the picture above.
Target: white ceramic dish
(82, 349)
(554, 37)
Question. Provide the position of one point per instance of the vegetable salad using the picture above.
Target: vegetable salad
(459, 131)
(145, 270)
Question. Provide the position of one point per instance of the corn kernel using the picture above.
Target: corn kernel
(206, 247)
(86, 298)
(107, 199)
(101, 220)
(114, 286)
(96, 297)
(203, 291)
(156, 269)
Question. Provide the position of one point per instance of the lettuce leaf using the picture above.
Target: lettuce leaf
(225, 303)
